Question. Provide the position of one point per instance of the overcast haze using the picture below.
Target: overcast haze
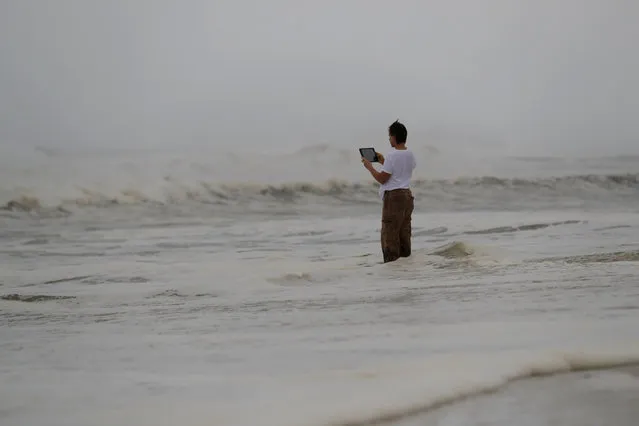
(539, 77)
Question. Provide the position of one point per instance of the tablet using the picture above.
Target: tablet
(369, 154)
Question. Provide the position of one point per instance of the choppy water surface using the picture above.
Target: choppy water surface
(197, 302)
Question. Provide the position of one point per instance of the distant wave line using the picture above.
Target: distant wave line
(230, 193)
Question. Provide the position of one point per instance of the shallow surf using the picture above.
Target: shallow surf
(280, 311)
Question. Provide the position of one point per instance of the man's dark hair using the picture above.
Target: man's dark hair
(398, 130)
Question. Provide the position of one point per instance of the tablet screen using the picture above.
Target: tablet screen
(368, 153)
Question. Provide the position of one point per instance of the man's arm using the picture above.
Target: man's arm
(381, 177)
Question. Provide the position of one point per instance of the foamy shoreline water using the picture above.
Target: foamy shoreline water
(142, 315)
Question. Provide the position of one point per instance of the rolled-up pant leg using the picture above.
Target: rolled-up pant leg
(396, 224)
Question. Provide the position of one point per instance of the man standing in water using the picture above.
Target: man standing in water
(395, 178)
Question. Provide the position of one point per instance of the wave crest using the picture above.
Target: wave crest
(455, 193)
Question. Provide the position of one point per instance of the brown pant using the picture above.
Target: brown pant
(397, 211)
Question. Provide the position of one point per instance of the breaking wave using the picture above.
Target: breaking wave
(453, 250)
(461, 193)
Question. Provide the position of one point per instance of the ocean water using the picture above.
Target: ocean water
(213, 288)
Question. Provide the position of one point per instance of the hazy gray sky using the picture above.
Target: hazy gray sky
(536, 76)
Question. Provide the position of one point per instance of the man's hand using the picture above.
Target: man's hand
(380, 157)
(367, 164)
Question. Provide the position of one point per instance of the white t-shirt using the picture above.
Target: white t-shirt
(399, 163)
